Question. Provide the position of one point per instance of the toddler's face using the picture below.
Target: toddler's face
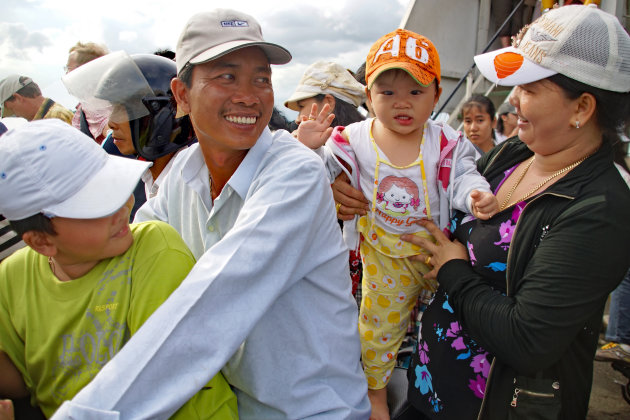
(400, 103)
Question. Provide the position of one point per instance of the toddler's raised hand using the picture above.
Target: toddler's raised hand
(315, 129)
(484, 204)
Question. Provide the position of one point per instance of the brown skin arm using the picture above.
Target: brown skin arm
(11, 383)
(6, 410)
(350, 200)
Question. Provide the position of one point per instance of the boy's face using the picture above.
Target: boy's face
(400, 103)
(88, 241)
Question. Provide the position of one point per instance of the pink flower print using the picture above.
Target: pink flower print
(518, 209)
(506, 230)
(454, 330)
(478, 386)
(415, 203)
(458, 343)
(380, 197)
(480, 364)
(471, 253)
(423, 352)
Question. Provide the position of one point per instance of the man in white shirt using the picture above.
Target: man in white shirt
(269, 300)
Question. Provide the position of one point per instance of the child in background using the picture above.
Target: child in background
(479, 123)
(409, 168)
(87, 280)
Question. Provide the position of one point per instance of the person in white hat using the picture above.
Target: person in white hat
(87, 279)
(327, 83)
(268, 302)
(20, 96)
(530, 285)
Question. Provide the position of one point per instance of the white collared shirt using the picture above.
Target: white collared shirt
(268, 301)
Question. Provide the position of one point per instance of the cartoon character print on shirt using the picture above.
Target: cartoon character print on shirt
(397, 195)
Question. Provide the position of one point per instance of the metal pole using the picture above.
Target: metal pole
(459, 84)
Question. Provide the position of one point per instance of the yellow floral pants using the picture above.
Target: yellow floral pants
(390, 290)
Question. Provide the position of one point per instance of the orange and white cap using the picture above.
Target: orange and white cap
(405, 50)
(583, 43)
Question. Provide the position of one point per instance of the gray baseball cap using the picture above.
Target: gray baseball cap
(8, 86)
(209, 35)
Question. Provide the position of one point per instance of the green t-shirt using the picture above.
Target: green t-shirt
(60, 334)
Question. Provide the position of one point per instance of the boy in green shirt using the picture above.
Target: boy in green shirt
(87, 280)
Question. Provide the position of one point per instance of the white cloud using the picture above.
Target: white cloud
(36, 43)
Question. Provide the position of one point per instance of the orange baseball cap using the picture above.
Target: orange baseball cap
(405, 50)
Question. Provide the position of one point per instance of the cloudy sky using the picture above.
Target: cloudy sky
(35, 35)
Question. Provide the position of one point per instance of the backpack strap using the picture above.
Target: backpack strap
(49, 104)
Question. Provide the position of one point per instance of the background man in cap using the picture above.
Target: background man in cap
(22, 97)
(269, 299)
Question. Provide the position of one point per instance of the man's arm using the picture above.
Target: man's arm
(203, 323)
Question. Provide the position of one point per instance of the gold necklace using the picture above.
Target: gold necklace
(504, 205)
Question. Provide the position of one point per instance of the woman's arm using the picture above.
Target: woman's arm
(563, 286)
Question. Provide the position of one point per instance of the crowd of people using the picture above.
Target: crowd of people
(235, 294)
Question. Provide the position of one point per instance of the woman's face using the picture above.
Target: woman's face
(545, 116)
(478, 125)
(305, 108)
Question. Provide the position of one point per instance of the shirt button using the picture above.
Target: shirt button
(211, 228)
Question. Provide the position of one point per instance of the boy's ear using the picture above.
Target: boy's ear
(367, 92)
(40, 242)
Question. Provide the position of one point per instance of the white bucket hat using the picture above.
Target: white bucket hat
(583, 43)
(50, 167)
(321, 78)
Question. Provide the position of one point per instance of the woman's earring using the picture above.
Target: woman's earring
(577, 124)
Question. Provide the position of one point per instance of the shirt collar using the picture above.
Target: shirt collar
(242, 178)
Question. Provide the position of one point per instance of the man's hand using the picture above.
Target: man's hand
(348, 200)
(315, 129)
(484, 204)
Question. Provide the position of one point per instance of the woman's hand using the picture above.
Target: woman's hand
(439, 253)
(315, 129)
(348, 200)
